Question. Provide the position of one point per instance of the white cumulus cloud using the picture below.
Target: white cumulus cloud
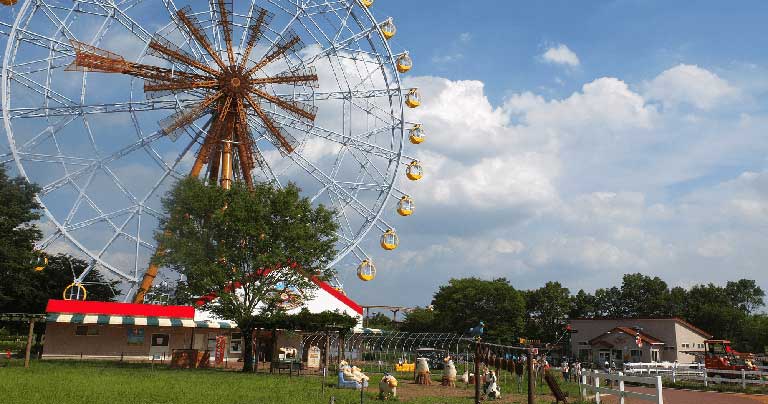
(692, 85)
(562, 55)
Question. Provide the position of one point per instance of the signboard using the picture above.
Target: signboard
(313, 358)
(135, 336)
(534, 351)
(221, 346)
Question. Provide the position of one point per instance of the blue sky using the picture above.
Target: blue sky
(578, 141)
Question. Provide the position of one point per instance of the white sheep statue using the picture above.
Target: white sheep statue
(491, 389)
(422, 371)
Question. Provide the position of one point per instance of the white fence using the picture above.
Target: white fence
(590, 382)
(696, 372)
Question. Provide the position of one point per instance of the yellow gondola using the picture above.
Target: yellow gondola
(414, 171)
(366, 271)
(412, 98)
(389, 240)
(366, 3)
(388, 28)
(416, 134)
(8, 2)
(406, 206)
(39, 262)
(404, 63)
(75, 291)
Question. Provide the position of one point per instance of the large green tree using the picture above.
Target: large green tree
(248, 246)
(643, 296)
(18, 233)
(547, 309)
(463, 303)
(420, 319)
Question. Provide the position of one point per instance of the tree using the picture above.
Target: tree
(608, 302)
(381, 321)
(745, 295)
(643, 296)
(420, 319)
(18, 233)
(547, 309)
(250, 247)
(32, 289)
(463, 303)
(582, 305)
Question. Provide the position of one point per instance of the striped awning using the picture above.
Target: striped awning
(136, 320)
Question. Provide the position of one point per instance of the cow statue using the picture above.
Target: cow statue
(491, 388)
(449, 373)
(387, 387)
(422, 371)
(359, 374)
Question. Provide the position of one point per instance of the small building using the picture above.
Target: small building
(143, 332)
(618, 341)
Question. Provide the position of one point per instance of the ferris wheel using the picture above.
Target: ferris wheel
(107, 103)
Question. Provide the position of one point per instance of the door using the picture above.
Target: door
(654, 355)
(201, 342)
(603, 357)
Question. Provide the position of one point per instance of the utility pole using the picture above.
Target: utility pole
(477, 372)
(529, 355)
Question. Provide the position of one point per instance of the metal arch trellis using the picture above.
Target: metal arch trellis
(57, 119)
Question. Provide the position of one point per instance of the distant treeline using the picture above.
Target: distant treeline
(729, 311)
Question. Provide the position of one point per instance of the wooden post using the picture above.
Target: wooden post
(531, 387)
(597, 388)
(583, 387)
(705, 377)
(477, 372)
(659, 392)
(621, 388)
(29, 342)
(743, 379)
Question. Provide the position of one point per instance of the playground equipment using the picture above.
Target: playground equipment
(106, 108)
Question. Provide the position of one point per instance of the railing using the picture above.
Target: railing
(696, 372)
(590, 382)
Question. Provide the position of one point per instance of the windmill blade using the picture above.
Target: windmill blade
(288, 42)
(225, 10)
(173, 125)
(163, 48)
(303, 76)
(280, 138)
(196, 29)
(298, 109)
(255, 29)
(157, 89)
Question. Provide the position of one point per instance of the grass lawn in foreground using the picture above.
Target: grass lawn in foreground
(121, 383)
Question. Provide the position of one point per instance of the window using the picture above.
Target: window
(160, 339)
(686, 345)
(636, 355)
(86, 330)
(700, 346)
(236, 343)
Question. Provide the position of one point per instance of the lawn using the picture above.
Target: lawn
(121, 383)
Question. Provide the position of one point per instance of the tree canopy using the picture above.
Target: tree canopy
(253, 248)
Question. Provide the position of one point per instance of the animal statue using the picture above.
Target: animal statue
(477, 331)
(387, 387)
(347, 371)
(422, 371)
(449, 373)
(465, 377)
(359, 374)
(491, 388)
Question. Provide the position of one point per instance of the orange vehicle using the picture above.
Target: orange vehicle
(719, 355)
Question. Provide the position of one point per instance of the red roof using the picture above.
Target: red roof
(124, 309)
(631, 332)
(338, 295)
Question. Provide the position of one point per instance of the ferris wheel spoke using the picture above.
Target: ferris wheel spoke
(100, 162)
(48, 240)
(354, 142)
(101, 108)
(31, 67)
(195, 48)
(55, 19)
(333, 186)
(41, 89)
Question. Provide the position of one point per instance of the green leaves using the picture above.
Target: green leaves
(254, 241)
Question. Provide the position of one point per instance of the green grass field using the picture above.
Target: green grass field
(121, 383)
